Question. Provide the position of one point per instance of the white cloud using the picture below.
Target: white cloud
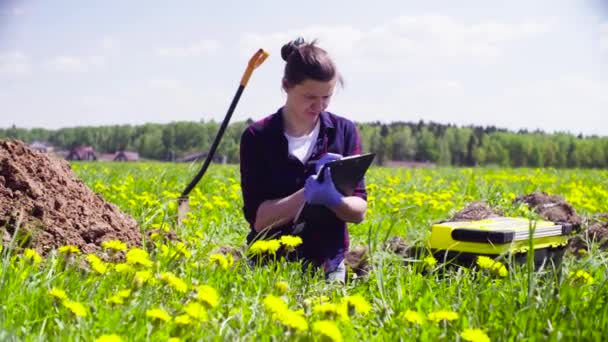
(76, 63)
(14, 63)
(165, 84)
(17, 11)
(194, 49)
(603, 40)
(417, 39)
(109, 44)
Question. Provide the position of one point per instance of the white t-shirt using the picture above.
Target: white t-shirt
(301, 147)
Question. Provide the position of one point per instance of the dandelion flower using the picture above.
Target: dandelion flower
(173, 281)
(275, 304)
(119, 297)
(158, 314)
(124, 268)
(413, 317)
(115, 245)
(430, 261)
(443, 315)
(282, 286)
(290, 241)
(196, 311)
(327, 329)
(326, 309)
(580, 277)
(143, 277)
(495, 267)
(292, 319)
(108, 338)
(264, 246)
(58, 294)
(76, 308)
(96, 264)
(32, 256)
(358, 304)
(474, 335)
(138, 256)
(221, 260)
(183, 320)
(69, 249)
(207, 295)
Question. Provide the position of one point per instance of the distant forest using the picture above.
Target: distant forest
(398, 141)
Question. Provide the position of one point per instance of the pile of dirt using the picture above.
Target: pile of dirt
(47, 206)
(357, 260)
(596, 233)
(551, 207)
(473, 212)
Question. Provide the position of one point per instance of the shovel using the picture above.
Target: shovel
(183, 201)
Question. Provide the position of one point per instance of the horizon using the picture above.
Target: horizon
(515, 66)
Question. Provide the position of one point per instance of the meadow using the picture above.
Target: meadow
(184, 290)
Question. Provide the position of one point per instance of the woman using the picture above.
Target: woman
(281, 154)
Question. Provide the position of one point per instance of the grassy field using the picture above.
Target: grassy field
(183, 290)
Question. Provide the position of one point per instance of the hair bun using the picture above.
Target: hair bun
(291, 47)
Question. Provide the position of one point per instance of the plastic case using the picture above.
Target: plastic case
(507, 237)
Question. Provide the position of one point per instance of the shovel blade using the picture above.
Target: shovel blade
(183, 208)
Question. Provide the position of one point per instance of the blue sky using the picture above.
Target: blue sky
(512, 64)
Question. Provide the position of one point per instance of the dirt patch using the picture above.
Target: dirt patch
(474, 211)
(357, 259)
(597, 233)
(43, 205)
(551, 207)
(229, 250)
(399, 246)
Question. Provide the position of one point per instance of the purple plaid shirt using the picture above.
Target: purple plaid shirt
(268, 172)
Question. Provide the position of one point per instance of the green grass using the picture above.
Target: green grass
(524, 305)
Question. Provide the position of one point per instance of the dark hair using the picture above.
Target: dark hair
(306, 61)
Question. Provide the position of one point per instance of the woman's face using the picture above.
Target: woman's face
(305, 101)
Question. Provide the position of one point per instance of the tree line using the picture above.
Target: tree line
(431, 142)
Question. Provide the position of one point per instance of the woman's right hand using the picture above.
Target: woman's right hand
(326, 158)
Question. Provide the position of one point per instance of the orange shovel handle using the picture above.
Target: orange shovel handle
(255, 61)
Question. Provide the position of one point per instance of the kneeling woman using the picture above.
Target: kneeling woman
(281, 154)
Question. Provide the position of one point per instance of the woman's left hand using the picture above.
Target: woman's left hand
(323, 193)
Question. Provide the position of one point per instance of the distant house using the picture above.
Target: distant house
(408, 163)
(126, 156)
(42, 147)
(82, 153)
(200, 157)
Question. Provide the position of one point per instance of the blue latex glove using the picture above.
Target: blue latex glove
(323, 193)
(326, 158)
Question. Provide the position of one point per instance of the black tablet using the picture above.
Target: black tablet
(348, 171)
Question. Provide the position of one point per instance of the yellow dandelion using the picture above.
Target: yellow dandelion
(108, 338)
(265, 246)
(173, 281)
(143, 277)
(580, 277)
(442, 315)
(221, 260)
(158, 314)
(115, 245)
(413, 317)
(119, 297)
(174, 339)
(58, 294)
(76, 308)
(474, 335)
(357, 303)
(183, 320)
(69, 249)
(282, 286)
(196, 311)
(275, 304)
(430, 261)
(138, 256)
(292, 319)
(328, 330)
(97, 264)
(485, 262)
(290, 241)
(207, 295)
(316, 300)
(32, 255)
(493, 266)
(326, 309)
(124, 268)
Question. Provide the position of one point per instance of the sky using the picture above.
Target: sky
(514, 64)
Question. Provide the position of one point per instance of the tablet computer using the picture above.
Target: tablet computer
(348, 171)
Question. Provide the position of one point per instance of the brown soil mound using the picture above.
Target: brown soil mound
(597, 232)
(357, 259)
(48, 206)
(552, 208)
(473, 212)
(399, 246)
